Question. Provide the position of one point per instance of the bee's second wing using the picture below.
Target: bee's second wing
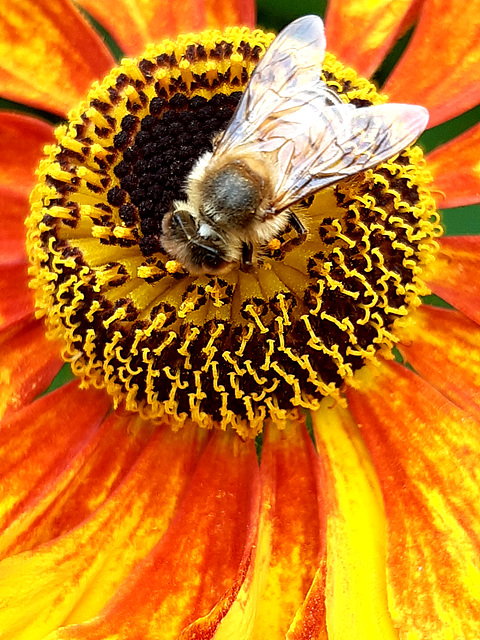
(317, 146)
(291, 67)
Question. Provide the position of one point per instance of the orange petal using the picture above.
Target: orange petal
(93, 473)
(288, 467)
(356, 531)
(439, 68)
(360, 34)
(138, 514)
(310, 620)
(444, 349)
(286, 550)
(234, 614)
(229, 13)
(194, 563)
(49, 54)
(28, 364)
(455, 167)
(426, 452)
(135, 23)
(21, 143)
(36, 445)
(16, 299)
(73, 576)
(14, 207)
(455, 272)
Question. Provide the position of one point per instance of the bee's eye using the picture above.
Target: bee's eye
(218, 267)
(207, 256)
(212, 261)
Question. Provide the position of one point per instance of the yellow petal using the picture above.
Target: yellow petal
(356, 589)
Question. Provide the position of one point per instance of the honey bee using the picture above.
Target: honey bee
(290, 136)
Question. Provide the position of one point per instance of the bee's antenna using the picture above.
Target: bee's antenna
(181, 223)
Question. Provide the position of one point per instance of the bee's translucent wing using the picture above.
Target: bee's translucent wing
(317, 149)
(287, 76)
(289, 115)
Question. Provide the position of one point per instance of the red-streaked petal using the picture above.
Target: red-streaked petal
(455, 167)
(21, 143)
(28, 364)
(454, 275)
(73, 576)
(234, 614)
(310, 621)
(195, 562)
(440, 68)
(16, 299)
(426, 452)
(14, 207)
(38, 443)
(50, 55)
(356, 531)
(106, 455)
(140, 511)
(286, 549)
(361, 33)
(135, 23)
(444, 348)
(288, 465)
(229, 13)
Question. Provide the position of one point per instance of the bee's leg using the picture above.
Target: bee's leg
(247, 255)
(297, 225)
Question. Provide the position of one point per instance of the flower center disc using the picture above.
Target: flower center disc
(230, 350)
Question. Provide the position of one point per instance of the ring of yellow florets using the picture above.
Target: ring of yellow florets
(228, 350)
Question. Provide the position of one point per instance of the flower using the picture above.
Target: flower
(121, 524)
